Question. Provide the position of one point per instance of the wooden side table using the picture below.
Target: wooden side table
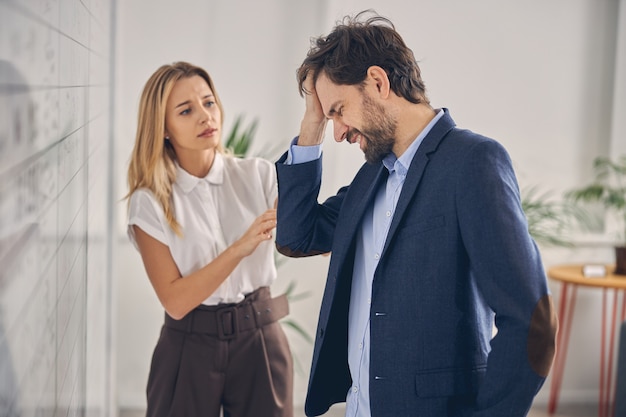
(571, 277)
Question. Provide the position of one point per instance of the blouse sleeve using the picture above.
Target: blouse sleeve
(145, 212)
(268, 175)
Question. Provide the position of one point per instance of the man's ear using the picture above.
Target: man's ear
(379, 79)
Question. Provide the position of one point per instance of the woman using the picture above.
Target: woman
(202, 221)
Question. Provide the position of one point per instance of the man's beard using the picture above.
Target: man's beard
(379, 133)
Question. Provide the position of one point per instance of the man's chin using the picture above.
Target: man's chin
(373, 159)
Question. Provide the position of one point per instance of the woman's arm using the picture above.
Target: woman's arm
(179, 295)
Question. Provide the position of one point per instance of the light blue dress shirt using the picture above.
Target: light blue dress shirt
(370, 242)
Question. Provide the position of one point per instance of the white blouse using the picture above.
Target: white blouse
(213, 212)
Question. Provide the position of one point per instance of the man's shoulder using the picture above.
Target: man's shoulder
(449, 129)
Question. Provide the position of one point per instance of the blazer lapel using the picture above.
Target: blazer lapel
(360, 195)
(416, 171)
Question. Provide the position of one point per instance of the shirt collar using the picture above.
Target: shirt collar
(188, 182)
(391, 162)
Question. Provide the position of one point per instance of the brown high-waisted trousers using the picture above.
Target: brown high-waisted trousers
(233, 356)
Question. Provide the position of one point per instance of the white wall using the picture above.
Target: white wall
(538, 76)
(618, 132)
(55, 230)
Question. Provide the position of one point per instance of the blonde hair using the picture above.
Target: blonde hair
(152, 164)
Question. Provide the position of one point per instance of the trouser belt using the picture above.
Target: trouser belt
(226, 321)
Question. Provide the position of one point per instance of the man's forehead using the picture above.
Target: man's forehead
(331, 95)
(324, 86)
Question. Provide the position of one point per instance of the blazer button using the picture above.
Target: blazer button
(321, 333)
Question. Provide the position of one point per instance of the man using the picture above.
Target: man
(429, 243)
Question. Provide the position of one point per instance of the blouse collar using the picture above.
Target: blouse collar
(188, 182)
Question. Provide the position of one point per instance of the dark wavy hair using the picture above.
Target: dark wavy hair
(355, 45)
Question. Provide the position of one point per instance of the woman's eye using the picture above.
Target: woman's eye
(186, 111)
(209, 103)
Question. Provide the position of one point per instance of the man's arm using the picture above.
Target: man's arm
(509, 273)
(313, 123)
(305, 228)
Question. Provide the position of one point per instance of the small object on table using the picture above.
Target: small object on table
(594, 271)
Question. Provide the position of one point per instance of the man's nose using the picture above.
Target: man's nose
(340, 130)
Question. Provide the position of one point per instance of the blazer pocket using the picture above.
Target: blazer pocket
(423, 225)
(449, 382)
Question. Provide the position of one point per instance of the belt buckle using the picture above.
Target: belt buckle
(227, 316)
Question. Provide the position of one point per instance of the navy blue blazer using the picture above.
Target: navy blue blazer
(458, 255)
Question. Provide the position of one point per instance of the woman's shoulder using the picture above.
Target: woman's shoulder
(142, 197)
(249, 163)
(142, 194)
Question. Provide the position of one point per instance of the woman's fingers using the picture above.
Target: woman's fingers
(260, 230)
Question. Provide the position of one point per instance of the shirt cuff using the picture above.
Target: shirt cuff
(301, 154)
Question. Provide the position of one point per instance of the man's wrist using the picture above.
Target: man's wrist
(311, 133)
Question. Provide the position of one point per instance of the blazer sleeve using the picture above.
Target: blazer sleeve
(508, 270)
(304, 227)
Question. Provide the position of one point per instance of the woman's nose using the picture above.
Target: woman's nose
(205, 116)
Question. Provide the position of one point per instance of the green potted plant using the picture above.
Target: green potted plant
(240, 138)
(608, 188)
(548, 219)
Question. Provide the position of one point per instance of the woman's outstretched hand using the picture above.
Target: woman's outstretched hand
(259, 231)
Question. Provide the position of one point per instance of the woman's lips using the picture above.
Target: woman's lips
(207, 133)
